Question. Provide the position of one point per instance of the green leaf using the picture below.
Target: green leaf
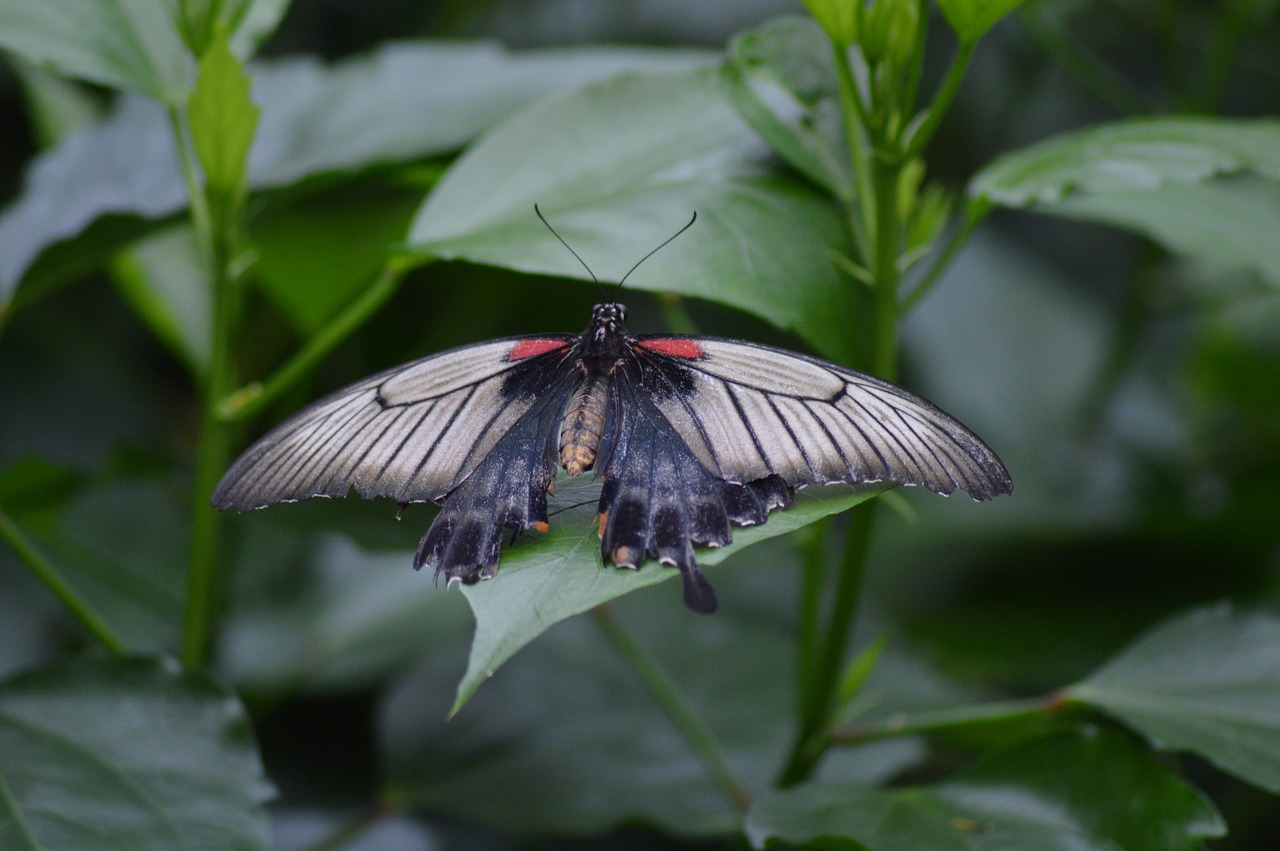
(164, 280)
(1230, 222)
(566, 724)
(223, 119)
(55, 106)
(1081, 790)
(781, 79)
(127, 755)
(132, 45)
(250, 20)
(314, 257)
(558, 575)
(838, 18)
(1208, 682)
(404, 102)
(617, 169)
(1130, 156)
(352, 621)
(972, 18)
(123, 546)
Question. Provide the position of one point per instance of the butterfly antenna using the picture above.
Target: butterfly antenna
(566, 245)
(664, 244)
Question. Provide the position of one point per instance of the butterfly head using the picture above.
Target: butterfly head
(608, 318)
(605, 335)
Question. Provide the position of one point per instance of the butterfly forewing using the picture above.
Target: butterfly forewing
(411, 433)
(759, 411)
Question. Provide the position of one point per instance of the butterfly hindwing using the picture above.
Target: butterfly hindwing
(506, 491)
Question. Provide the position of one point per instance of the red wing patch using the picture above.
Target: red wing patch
(531, 348)
(677, 348)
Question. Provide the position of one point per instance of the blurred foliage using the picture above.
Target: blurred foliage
(1113, 330)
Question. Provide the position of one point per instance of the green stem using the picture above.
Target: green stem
(248, 400)
(814, 555)
(880, 171)
(213, 452)
(1232, 26)
(911, 85)
(974, 213)
(941, 102)
(47, 574)
(673, 702)
(932, 721)
(218, 240)
(887, 274)
(1090, 71)
(862, 216)
(201, 219)
(821, 705)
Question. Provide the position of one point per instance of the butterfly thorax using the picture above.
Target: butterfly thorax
(602, 347)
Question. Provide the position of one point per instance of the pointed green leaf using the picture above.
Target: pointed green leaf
(972, 18)
(357, 619)
(127, 755)
(567, 724)
(617, 168)
(838, 18)
(1082, 790)
(1130, 156)
(1208, 188)
(223, 119)
(1207, 682)
(250, 20)
(1230, 222)
(402, 103)
(132, 45)
(781, 80)
(559, 575)
(164, 280)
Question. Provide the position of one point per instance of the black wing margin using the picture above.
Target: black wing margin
(412, 433)
(748, 411)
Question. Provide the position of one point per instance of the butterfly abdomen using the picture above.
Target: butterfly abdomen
(583, 426)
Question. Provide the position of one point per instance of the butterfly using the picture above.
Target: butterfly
(689, 435)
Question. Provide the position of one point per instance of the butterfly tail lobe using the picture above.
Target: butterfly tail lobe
(507, 491)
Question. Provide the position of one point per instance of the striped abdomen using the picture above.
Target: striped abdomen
(583, 426)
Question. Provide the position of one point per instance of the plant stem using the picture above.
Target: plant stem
(1090, 71)
(213, 451)
(941, 102)
(974, 213)
(884, 361)
(814, 555)
(248, 400)
(820, 705)
(929, 721)
(217, 240)
(861, 215)
(47, 574)
(673, 702)
(201, 220)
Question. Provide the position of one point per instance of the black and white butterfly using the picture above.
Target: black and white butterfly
(688, 434)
